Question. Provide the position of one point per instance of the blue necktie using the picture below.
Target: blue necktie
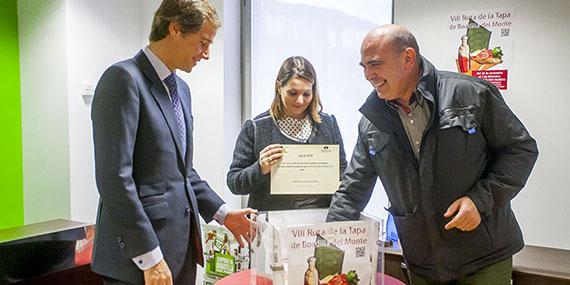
(170, 82)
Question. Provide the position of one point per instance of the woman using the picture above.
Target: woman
(294, 117)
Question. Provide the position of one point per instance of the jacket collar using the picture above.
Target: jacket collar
(376, 109)
(386, 119)
(427, 85)
(157, 64)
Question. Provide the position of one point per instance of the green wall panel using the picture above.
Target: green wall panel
(11, 177)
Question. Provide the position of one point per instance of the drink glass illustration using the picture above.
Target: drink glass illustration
(312, 274)
(463, 55)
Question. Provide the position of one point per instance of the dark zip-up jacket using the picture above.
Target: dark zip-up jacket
(473, 146)
(244, 176)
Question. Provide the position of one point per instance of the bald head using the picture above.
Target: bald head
(389, 56)
(396, 37)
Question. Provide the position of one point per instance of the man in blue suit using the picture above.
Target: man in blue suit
(150, 194)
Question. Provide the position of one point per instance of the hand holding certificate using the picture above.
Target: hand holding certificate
(306, 169)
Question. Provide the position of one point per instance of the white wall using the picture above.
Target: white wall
(538, 95)
(98, 34)
(68, 43)
(45, 137)
(215, 88)
(65, 44)
(232, 89)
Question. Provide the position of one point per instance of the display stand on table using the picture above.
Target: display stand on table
(299, 247)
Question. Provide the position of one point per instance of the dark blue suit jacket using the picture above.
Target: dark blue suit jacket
(150, 194)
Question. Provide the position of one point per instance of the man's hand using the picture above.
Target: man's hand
(240, 225)
(158, 274)
(467, 217)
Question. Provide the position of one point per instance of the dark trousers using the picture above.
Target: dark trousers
(496, 274)
(109, 281)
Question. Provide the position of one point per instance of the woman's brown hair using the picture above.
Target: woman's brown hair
(296, 67)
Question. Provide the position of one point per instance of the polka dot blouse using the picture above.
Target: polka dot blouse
(297, 129)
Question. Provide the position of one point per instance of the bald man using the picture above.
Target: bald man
(451, 156)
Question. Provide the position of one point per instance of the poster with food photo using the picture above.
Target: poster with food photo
(339, 253)
(482, 44)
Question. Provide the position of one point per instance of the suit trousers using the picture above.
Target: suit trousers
(110, 281)
(496, 274)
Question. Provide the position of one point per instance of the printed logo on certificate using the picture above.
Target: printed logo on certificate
(306, 169)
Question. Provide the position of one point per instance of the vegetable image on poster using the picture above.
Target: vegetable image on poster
(474, 52)
(483, 44)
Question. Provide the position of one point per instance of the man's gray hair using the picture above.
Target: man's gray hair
(403, 39)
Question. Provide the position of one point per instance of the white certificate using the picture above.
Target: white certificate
(306, 169)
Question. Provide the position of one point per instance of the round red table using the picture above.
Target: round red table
(243, 278)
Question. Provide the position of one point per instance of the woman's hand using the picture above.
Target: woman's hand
(268, 156)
